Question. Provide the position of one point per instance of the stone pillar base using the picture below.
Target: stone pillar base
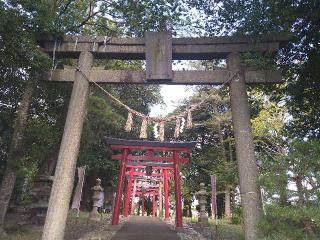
(94, 215)
(203, 221)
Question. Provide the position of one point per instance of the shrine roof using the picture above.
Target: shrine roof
(149, 144)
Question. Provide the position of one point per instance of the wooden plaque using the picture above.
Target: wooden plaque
(158, 56)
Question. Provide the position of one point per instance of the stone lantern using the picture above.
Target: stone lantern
(40, 199)
(97, 198)
(201, 195)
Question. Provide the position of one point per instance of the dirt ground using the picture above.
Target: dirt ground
(18, 228)
(76, 229)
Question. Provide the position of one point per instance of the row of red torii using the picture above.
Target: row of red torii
(162, 157)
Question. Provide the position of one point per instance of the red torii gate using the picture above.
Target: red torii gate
(169, 152)
(164, 178)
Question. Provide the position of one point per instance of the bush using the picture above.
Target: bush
(291, 223)
(236, 215)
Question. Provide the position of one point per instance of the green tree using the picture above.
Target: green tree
(299, 59)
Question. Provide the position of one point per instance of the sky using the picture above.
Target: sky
(172, 95)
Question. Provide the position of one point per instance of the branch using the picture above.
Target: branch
(65, 7)
(111, 20)
(85, 21)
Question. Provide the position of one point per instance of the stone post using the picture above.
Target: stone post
(66, 165)
(201, 195)
(247, 166)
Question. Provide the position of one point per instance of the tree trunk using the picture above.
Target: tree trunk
(47, 167)
(299, 185)
(227, 199)
(230, 147)
(227, 203)
(189, 209)
(15, 153)
(221, 140)
(283, 193)
(7, 186)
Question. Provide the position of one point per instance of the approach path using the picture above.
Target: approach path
(138, 228)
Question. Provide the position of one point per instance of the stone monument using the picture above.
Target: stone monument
(97, 198)
(40, 199)
(201, 195)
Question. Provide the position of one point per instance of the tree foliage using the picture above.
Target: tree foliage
(299, 59)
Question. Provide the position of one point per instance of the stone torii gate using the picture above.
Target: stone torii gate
(158, 49)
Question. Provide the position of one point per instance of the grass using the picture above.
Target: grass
(225, 229)
(22, 234)
(15, 232)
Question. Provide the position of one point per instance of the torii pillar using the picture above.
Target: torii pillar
(122, 172)
(127, 199)
(166, 194)
(154, 206)
(66, 165)
(142, 203)
(247, 166)
(133, 204)
(160, 199)
(177, 186)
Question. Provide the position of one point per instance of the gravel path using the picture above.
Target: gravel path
(138, 228)
(187, 232)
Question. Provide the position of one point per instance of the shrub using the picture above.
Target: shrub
(291, 223)
(236, 215)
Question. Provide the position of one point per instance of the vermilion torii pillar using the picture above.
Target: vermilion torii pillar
(166, 194)
(160, 199)
(122, 171)
(142, 203)
(133, 196)
(127, 199)
(177, 190)
(154, 206)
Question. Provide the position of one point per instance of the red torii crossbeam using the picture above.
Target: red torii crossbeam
(147, 149)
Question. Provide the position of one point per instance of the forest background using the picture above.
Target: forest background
(285, 117)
